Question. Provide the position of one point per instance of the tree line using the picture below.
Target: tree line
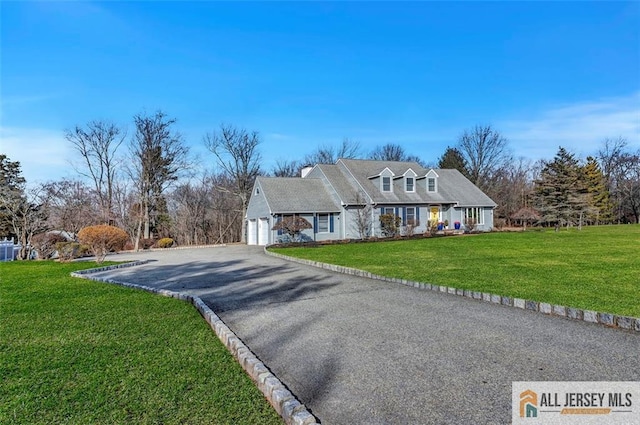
(148, 185)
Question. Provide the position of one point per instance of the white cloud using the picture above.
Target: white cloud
(579, 127)
(43, 154)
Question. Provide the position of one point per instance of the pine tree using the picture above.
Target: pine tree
(11, 191)
(452, 158)
(560, 193)
(601, 210)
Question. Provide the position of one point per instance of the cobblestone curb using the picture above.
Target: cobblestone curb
(604, 319)
(283, 401)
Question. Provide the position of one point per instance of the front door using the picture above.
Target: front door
(434, 215)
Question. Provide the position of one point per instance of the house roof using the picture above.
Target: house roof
(453, 187)
(288, 195)
(346, 188)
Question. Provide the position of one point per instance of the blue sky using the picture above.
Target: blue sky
(305, 74)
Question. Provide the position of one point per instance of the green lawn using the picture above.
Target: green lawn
(74, 351)
(597, 268)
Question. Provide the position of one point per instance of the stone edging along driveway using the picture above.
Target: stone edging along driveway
(606, 319)
(282, 400)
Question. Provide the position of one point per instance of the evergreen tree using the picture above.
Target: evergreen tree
(561, 194)
(11, 191)
(601, 210)
(452, 158)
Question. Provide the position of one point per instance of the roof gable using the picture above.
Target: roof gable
(296, 195)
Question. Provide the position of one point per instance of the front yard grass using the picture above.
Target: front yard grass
(79, 352)
(597, 268)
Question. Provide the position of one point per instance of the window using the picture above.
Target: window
(474, 214)
(411, 216)
(431, 184)
(388, 210)
(409, 184)
(386, 184)
(257, 191)
(323, 223)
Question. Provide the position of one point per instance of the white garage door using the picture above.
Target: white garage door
(252, 233)
(263, 231)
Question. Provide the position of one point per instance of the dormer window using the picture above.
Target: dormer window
(386, 184)
(431, 184)
(409, 184)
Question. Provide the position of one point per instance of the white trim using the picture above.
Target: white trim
(413, 184)
(382, 184)
(406, 213)
(435, 184)
(318, 215)
(381, 173)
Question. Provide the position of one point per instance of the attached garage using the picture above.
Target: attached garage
(263, 231)
(252, 232)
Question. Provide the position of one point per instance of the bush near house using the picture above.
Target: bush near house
(165, 243)
(45, 244)
(292, 226)
(102, 239)
(390, 224)
(68, 251)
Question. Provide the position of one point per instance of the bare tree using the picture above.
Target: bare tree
(236, 151)
(393, 152)
(363, 216)
(621, 169)
(71, 205)
(26, 215)
(327, 154)
(97, 143)
(511, 187)
(485, 150)
(284, 168)
(159, 156)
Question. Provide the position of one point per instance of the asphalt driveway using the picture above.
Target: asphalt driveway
(357, 351)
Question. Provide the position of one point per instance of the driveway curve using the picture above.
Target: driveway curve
(357, 351)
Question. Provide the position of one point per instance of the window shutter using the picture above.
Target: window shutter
(397, 212)
(381, 210)
(315, 224)
(417, 214)
(404, 215)
(331, 222)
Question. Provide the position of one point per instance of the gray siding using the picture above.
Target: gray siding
(258, 206)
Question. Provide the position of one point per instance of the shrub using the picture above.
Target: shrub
(45, 244)
(103, 239)
(471, 225)
(165, 243)
(67, 251)
(390, 224)
(146, 243)
(499, 223)
(432, 228)
(293, 227)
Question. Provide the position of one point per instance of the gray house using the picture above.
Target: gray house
(345, 200)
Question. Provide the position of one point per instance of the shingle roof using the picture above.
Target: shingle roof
(296, 195)
(346, 188)
(453, 187)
